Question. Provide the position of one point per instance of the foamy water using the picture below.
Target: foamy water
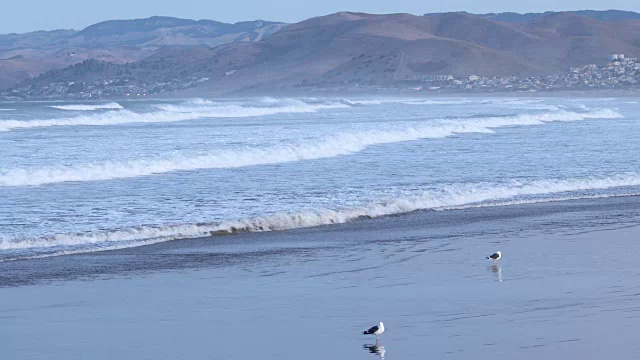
(132, 173)
(88, 107)
(191, 110)
(338, 145)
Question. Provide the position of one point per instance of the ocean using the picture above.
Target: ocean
(281, 228)
(84, 177)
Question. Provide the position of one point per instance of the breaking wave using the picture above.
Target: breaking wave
(108, 118)
(520, 103)
(351, 102)
(449, 197)
(445, 102)
(87, 107)
(440, 101)
(343, 144)
(201, 108)
(266, 106)
(191, 110)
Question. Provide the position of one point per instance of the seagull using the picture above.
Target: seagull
(495, 256)
(376, 330)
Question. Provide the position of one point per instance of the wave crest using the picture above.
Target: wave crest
(343, 144)
(449, 197)
(190, 110)
(87, 107)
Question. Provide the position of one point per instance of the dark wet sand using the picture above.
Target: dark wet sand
(568, 287)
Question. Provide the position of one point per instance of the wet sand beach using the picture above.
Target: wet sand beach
(567, 287)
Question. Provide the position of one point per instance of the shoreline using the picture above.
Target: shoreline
(566, 287)
(207, 251)
(238, 232)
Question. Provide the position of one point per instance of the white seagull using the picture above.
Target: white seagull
(495, 256)
(376, 330)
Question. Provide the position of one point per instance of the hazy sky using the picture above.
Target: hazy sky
(28, 15)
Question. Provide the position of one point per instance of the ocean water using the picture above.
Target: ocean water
(82, 177)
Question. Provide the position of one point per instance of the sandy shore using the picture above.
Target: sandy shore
(568, 287)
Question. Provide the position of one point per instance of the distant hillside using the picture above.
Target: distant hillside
(355, 49)
(118, 41)
(36, 39)
(346, 49)
(122, 27)
(161, 31)
(606, 15)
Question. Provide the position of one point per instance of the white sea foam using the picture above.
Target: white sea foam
(528, 103)
(170, 113)
(352, 102)
(343, 144)
(443, 102)
(449, 197)
(107, 118)
(266, 106)
(455, 196)
(88, 107)
(414, 101)
(7, 109)
(201, 108)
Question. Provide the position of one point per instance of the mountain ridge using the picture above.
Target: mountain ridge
(350, 49)
(602, 15)
(117, 41)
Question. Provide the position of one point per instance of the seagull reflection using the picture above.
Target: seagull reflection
(497, 269)
(375, 349)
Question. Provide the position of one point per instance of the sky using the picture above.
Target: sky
(29, 15)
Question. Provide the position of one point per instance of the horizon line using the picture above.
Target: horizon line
(284, 22)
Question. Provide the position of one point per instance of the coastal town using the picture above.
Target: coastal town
(125, 87)
(618, 72)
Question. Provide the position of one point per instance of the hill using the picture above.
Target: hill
(356, 49)
(606, 15)
(378, 50)
(117, 41)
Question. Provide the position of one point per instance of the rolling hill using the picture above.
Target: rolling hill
(348, 49)
(117, 41)
(606, 15)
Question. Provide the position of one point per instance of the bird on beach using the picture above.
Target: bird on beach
(375, 330)
(495, 256)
